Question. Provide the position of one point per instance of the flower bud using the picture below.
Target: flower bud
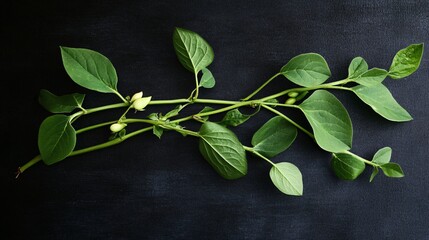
(136, 96)
(141, 103)
(293, 94)
(116, 127)
(290, 101)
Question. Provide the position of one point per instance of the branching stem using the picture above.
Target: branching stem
(192, 100)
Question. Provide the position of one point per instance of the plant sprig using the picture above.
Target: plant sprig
(331, 126)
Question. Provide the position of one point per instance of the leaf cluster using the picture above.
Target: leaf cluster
(331, 126)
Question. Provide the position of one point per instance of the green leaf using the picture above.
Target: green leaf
(90, 69)
(392, 170)
(287, 178)
(193, 51)
(153, 116)
(173, 112)
(158, 131)
(330, 121)
(371, 77)
(207, 80)
(234, 118)
(308, 69)
(346, 166)
(406, 61)
(380, 99)
(275, 136)
(357, 67)
(60, 104)
(224, 152)
(382, 156)
(57, 138)
(373, 174)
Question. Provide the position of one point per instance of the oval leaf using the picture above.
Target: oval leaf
(346, 166)
(371, 77)
(234, 118)
(357, 67)
(330, 121)
(207, 80)
(57, 138)
(382, 156)
(380, 99)
(287, 178)
(392, 170)
(193, 51)
(90, 69)
(308, 69)
(224, 152)
(275, 136)
(406, 61)
(60, 104)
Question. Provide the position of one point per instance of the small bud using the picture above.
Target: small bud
(290, 101)
(116, 127)
(293, 94)
(141, 103)
(136, 96)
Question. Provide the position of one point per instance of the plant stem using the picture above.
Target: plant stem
(172, 101)
(195, 97)
(249, 149)
(289, 120)
(215, 101)
(261, 87)
(331, 85)
(115, 141)
(30, 163)
(106, 107)
(95, 126)
(361, 159)
(120, 96)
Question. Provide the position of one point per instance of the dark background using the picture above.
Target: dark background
(147, 188)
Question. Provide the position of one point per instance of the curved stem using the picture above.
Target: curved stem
(115, 141)
(289, 120)
(78, 114)
(261, 87)
(312, 136)
(121, 97)
(249, 149)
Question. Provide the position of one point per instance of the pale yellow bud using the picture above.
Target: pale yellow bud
(141, 103)
(293, 94)
(136, 96)
(116, 127)
(290, 101)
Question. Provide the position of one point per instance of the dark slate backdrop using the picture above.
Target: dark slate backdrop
(147, 188)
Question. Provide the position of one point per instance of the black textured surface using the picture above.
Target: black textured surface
(147, 188)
